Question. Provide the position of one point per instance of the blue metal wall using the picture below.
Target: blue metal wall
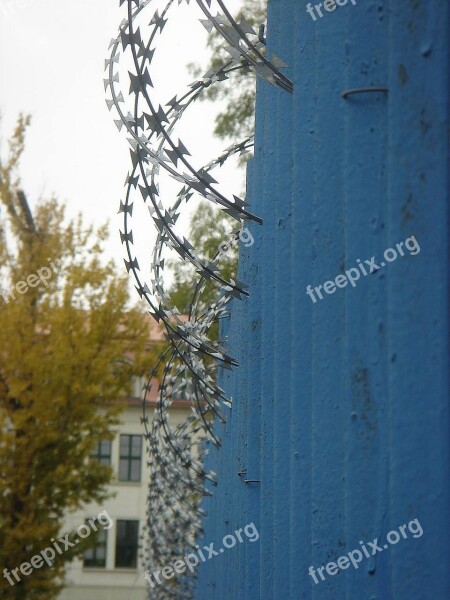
(341, 406)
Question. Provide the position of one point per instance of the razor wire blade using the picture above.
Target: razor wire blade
(178, 477)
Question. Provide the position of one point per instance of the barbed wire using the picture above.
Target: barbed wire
(176, 454)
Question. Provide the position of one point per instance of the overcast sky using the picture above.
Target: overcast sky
(51, 66)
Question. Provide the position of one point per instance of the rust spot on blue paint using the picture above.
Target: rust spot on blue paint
(363, 407)
(425, 124)
(406, 212)
(402, 75)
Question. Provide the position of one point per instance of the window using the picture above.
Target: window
(127, 544)
(138, 387)
(96, 557)
(102, 452)
(130, 458)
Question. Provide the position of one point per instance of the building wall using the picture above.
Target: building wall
(130, 503)
(340, 406)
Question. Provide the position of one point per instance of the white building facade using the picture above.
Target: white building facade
(112, 570)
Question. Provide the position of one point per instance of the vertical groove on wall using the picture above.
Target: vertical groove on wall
(341, 405)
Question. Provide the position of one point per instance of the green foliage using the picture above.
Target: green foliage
(237, 120)
(71, 347)
(209, 228)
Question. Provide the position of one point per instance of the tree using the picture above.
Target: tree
(210, 227)
(210, 230)
(71, 345)
(237, 120)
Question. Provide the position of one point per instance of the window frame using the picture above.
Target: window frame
(98, 533)
(126, 546)
(130, 458)
(97, 453)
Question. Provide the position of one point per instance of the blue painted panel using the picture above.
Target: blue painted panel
(341, 405)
